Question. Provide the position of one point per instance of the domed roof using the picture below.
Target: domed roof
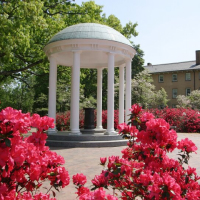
(90, 31)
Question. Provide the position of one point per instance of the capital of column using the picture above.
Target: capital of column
(52, 60)
(110, 53)
(77, 51)
(100, 69)
(122, 66)
(128, 59)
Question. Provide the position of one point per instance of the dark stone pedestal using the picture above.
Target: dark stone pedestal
(89, 118)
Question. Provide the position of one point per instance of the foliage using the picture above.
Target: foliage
(145, 170)
(17, 94)
(63, 120)
(25, 162)
(160, 98)
(143, 91)
(185, 120)
(27, 26)
(137, 61)
(191, 101)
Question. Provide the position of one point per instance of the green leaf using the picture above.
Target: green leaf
(8, 142)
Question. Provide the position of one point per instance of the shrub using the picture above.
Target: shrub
(63, 120)
(186, 120)
(25, 162)
(145, 170)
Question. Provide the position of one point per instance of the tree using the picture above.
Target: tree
(138, 61)
(17, 95)
(191, 101)
(143, 91)
(28, 25)
(160, 98)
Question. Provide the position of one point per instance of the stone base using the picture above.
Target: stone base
(66, 140)
(93, 131)
(52, 131)
(111, 133)
(74, 133)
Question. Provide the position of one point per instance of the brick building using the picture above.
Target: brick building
(176, 78)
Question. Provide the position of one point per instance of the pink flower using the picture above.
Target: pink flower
(103, 160)
(82, 190)
(135, 109)
(100, 180)
(146, 116)
(79, 179)
(187, 145)
(123, 128)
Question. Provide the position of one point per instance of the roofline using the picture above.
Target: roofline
(170, 63)
(91, 39)
(174, 71)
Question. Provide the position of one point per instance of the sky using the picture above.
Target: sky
(169, 30)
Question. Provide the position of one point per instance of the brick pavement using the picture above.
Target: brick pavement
(86, 161)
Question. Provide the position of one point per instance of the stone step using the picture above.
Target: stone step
(72, 144)
(85, 137)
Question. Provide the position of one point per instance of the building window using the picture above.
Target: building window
(188, 76)
(174, 77)
(173, 105)
(161, 106)
(188, 91)
(161, 78)
(174, 93)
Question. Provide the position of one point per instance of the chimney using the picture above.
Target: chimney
(149, 64)
(198, 57)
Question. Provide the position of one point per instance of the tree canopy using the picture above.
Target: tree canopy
(143, 92)
(27, 26)
(191, 101)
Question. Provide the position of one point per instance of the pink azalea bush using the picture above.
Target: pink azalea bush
(145, 170)
(25, 162)
(185, 120)
(63, 120)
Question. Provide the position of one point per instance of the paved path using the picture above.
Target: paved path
(86, 161)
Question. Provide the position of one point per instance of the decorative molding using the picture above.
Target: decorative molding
(112, 48)
(94, 46)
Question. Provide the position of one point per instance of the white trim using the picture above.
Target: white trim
(66, 46)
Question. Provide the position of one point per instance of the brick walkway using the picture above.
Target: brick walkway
(86, 161)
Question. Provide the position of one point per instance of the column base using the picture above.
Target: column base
(75, 132)
(99, 128)
(52, 131)
(110, 133)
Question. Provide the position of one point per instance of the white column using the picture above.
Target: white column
(99, 99)
(52, 92)
(128, 88)
(121, 94)
(75, 85)
(110, 98)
